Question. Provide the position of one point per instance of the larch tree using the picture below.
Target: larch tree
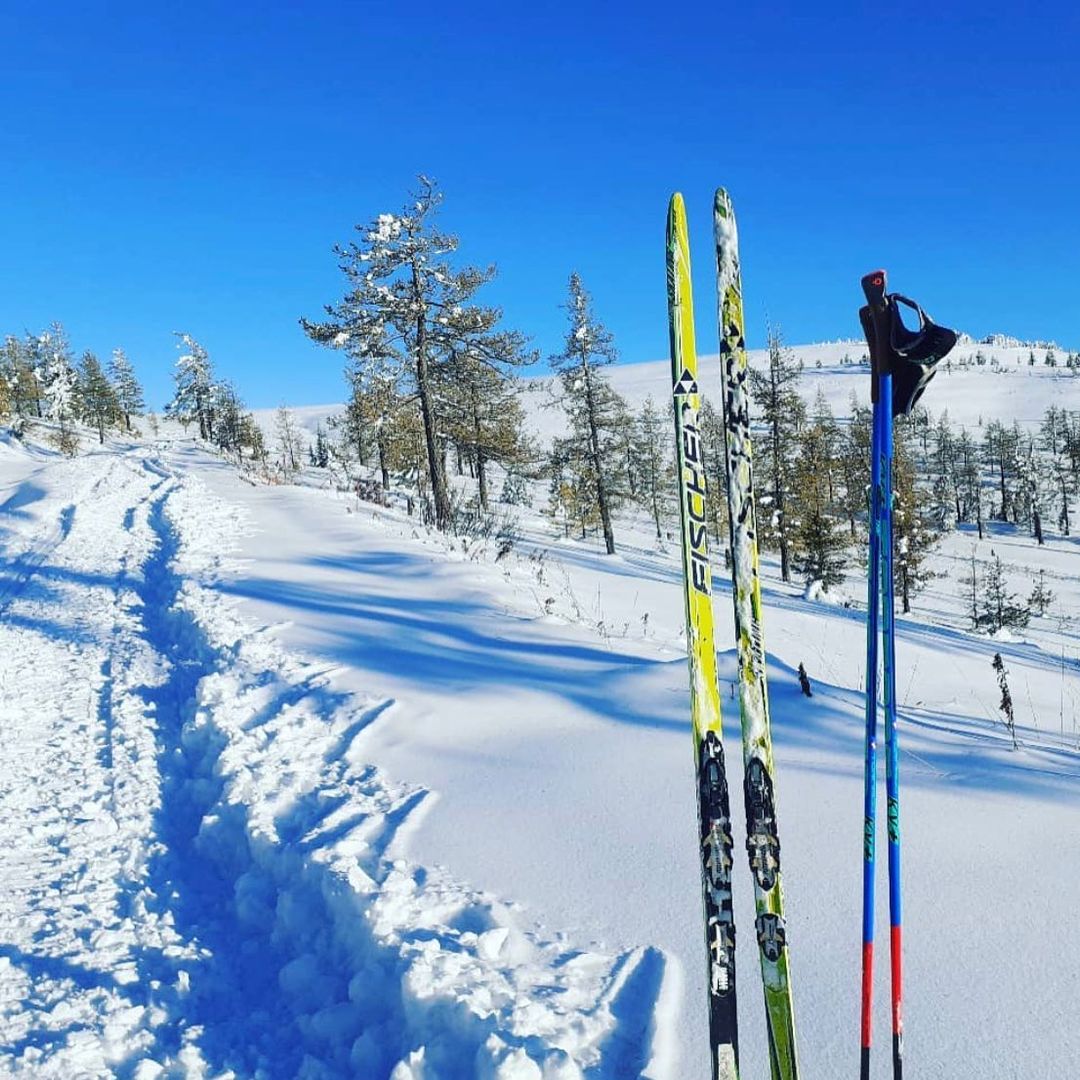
(484, 418)
(99, 407)
(407, 312)
(652, 464)
(598, 416)
(714, 464)
(61, 385)
(818, 544)
(290, 447)
(193, 399)
(129, 393)
(914, 535)
(775, 392)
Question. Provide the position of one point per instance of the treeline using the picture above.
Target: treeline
(40, 379)
(435, 388)
(213, 404)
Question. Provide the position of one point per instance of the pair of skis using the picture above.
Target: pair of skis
(714, 817)
(902, 362)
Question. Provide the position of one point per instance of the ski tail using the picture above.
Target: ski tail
(762, 841)
(714, 814)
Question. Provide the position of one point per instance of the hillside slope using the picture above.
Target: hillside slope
(294, 787)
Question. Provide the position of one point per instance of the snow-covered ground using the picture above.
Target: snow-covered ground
(292, 787)
(971, 393)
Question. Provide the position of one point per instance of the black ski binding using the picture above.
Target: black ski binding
(910, 356)
(762, 840)
(771, 935)
(717, 861)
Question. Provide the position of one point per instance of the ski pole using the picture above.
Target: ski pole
(870, 789)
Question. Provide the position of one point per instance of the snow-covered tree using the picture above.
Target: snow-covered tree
(129, 393)
(61, 385)
(290, 447)
(914, 535)
(854, 464)
(652, 463)
(194, 396)
(1041, 596)
(998, 607)
(320, 450)
(407, 312)
(483, 417)
(714, 465)
(98, 406)
(598, 417)
(818, 544)
(775, 393)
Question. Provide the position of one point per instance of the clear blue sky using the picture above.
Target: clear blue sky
(188, 167)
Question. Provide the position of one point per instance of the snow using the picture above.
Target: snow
(291, 786)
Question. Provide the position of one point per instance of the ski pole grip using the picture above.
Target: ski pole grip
(875, 323)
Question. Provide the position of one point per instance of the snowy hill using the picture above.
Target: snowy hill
(291, 786)
(1004, 387)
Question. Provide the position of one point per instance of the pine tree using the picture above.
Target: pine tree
(998, 607)
(775, 392)
(97, 402)
(597, 415)
(946, 507)
(1041, 597)
(230, 430)
(61, 383)
(10, 358)
(1030, 484)
(374, 417)
(969, 480)
(194, 395)
(652, 463)
(573, 493)
(483, 415)
(515, 489)
(854, 464)
(913, 533)
(1054, 443)
(408, 312)
(129, 393)
(320, 454)
(290, 448)
(999, 448)
(713, 454)
(819, 547)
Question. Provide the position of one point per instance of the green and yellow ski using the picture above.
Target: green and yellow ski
(762, 839)
(714, 815)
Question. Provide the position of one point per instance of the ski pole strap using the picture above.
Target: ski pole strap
(910, 356)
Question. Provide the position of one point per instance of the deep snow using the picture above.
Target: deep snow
(292, 787)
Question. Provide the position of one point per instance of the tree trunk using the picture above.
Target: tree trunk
(594, 446)
(1038, 525)
(481, 479)
(383, 470)
(439, 491)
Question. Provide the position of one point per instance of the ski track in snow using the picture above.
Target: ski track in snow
(203, 877)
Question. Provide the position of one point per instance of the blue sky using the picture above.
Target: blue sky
(188, 167)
